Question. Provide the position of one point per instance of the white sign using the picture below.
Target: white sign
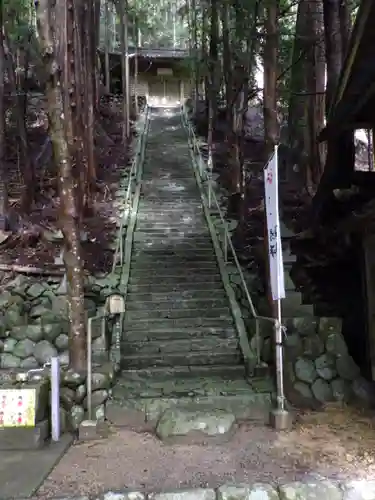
(275, 252)
(17, 408)
(165, 71)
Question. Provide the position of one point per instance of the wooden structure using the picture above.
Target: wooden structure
(163, 74)
(344, 204)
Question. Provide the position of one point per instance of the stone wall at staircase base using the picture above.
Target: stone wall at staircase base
(318, 367)
(321, 488)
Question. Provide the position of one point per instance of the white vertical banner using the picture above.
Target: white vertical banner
(275, 252)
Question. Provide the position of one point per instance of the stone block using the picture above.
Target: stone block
(247, 492)
(194, 494)
(132, 495)
(312, 490)
(90, 430)
(359, 490)
(24, 438)
(195, 424)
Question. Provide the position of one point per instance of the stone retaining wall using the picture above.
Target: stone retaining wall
(320, 488)
(73, 392)
(317, 366)
(34, 325)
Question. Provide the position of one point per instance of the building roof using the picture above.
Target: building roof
(155, 53)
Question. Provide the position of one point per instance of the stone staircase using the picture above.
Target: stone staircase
(180, 344)
(293, 305)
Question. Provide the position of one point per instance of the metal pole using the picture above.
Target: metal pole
(279, 360)
(89, 367)
(55, 399)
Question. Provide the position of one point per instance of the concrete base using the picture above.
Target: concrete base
(24, 438)
(22, 472)
(281, 420)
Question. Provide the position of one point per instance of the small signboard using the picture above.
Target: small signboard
(165, 72)
(17, 408)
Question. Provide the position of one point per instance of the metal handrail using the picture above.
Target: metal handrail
(128, 206)
(118, 257)
(206, 177)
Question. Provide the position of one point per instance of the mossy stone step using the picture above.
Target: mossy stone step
(173, 345)
(180, 359)
(193, 322)
(178, 278)
(195, 386)
(169, 314)
(159, 246)
(225, 372)
(174, 269)
(179, 333)
(171, 238)
(245, 406)
(178, 304)
(178, 287)
(173, 296)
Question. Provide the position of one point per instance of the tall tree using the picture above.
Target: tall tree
(68, 209)
(3, 170)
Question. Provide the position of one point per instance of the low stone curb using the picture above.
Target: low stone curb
(314, 489)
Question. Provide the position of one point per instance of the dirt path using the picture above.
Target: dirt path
(337, 444)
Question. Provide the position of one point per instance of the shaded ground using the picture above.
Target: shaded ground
(338, 443)
(35, 239)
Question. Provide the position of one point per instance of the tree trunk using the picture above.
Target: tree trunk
(28, 168)
(89, 101)
(271, 127)
(68, 211)
(334, 47)
(123, 14)
(3, 170)
(227, 60)
(106, 49)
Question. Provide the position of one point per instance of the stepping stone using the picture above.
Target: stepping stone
(195, 425)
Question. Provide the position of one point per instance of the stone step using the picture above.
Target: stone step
(161, 323)
(173, 198)
(180, 358)
(176, 217)
(173, 238)
(141, 266)
(159, 334)
(173, 296)
(225, 372)
(201, 257)
(178, 287)
(172, 280)
(292, 306)
(174, 252)
(171, 314)
(206, 346)
(163, 246)
(167, 211)
(168, 228)
(147, 205)
(175, 231)
(178, 304)
(165, 385)
(148, 406)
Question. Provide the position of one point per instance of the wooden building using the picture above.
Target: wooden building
(163, 74)
(344, 205)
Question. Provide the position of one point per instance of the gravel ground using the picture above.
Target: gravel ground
(337, 443)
